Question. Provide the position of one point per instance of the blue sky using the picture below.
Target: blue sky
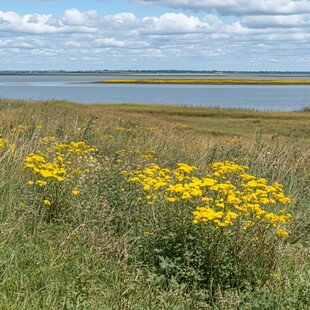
(155, 34)
(57, 7)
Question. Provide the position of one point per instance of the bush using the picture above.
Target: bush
(58, 173)
(213, 227)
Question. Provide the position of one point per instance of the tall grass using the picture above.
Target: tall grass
(105, 248)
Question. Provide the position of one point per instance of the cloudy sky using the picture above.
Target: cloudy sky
(155, 34)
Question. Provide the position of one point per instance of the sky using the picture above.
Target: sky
(243, 35)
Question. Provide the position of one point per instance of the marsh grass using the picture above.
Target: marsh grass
(89, 255)
(209, 81)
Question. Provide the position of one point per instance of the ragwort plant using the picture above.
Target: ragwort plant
(58, 173)
(213, 228)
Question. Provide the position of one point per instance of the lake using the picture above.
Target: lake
(75, 88)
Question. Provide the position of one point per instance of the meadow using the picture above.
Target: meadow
(153, 207)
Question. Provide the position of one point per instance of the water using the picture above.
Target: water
(260, 97)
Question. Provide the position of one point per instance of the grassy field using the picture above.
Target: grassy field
(209, 81)
(153, 207)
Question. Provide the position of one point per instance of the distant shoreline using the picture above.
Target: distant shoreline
(207, 82)
(225, 75)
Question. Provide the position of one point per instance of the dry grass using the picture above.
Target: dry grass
(222, 123)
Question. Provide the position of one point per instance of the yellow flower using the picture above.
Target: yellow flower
(3, 142)
(226, 193)
(147, 233)
(47, 202)
(171, 199)
(282, 233)
(75, 191)
(248, 224)
(30, 182)
(41, 182)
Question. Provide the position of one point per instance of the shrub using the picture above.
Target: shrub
(213, 227)
(58, 172)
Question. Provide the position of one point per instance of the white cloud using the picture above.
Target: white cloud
(73, 43)
(172, 23)
(111, 42)
(279, 21)
(171, 40)
(237, 7)
(121, 20)
(75, 17)
(12, 22)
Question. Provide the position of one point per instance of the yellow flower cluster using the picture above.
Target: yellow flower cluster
(145, 155)
(5, 146)
(3, 143)
(78, 148)
(282, 233)
(40, 165)
(61, 162)
(224, 195)
(148, 155)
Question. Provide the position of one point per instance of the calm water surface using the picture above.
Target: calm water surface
(261, 97)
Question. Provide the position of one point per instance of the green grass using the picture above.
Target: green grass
(89, 255)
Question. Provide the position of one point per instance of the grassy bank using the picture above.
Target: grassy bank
(209, 81)
(153, 207)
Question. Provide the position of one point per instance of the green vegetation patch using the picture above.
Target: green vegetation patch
(209, 81)
(152, 207)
